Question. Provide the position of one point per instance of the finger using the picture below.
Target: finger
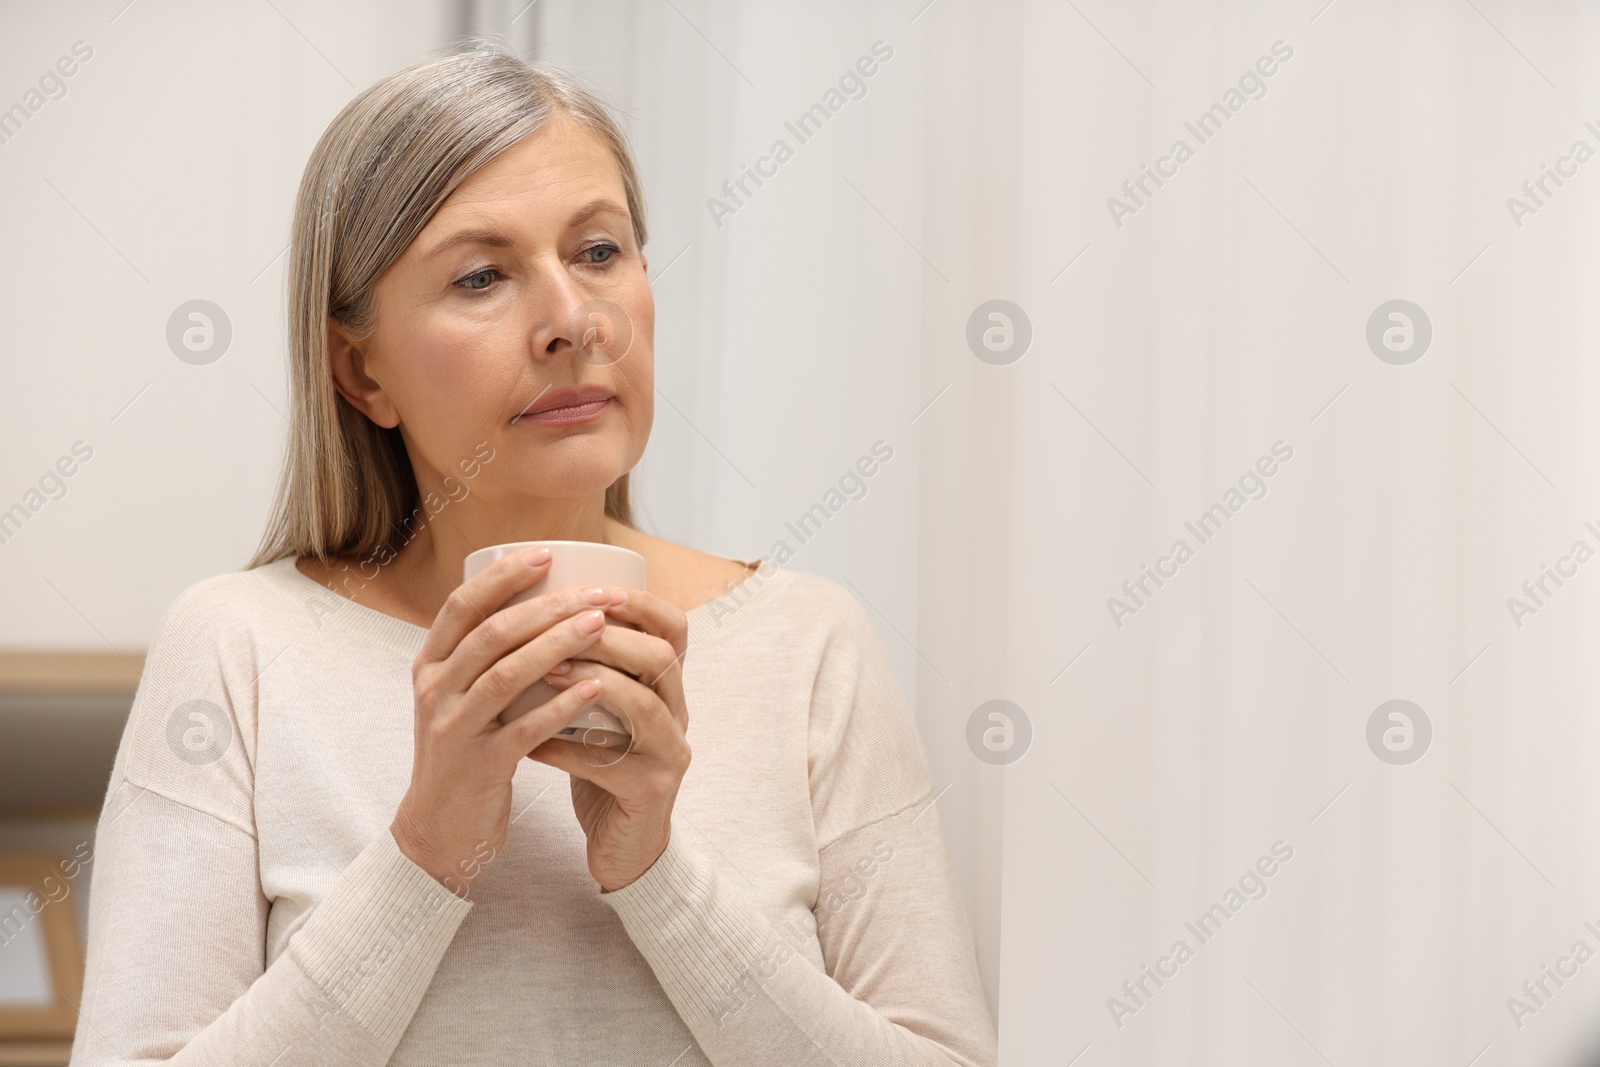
(474, 600)
(640, 708)
(520, 667)
(584, 761)
(666, 621)
(653, 615)
(524, 733)
(645, 658)
(638, 773)
(506, 630)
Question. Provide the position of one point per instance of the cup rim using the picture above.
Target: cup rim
(509, 547)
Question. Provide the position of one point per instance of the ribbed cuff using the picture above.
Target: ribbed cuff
(707, 945)
(375, 941)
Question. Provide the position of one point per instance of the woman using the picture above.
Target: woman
(320, 846)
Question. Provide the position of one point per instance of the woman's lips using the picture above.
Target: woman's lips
(566, 415)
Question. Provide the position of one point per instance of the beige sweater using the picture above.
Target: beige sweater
(249, 905)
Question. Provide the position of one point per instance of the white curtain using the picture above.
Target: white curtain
(1185, 341)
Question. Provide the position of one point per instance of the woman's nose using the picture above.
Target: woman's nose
(558, 313)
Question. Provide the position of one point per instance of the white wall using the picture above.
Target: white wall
(166, 173)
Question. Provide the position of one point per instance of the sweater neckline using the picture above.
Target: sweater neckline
(327, 607)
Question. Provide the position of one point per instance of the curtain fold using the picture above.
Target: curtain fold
(1240, 531)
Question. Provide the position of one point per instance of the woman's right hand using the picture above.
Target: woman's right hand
(477, 658)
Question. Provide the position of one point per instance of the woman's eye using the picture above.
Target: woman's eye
(609, 250)
(466, 283)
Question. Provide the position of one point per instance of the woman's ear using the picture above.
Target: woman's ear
(351, 379)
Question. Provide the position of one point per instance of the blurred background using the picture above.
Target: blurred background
(1304, 287)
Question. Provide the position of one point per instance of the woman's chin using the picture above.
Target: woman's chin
(574, 481)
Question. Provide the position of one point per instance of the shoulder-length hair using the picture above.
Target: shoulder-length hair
(380, 171)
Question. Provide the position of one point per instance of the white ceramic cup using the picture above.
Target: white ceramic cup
(573, 565)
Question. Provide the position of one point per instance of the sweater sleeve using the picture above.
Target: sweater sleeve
(900, 979)
(175, 968)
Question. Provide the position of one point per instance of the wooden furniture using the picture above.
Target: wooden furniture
(35, 1053)
(61, 716)
(40, 948)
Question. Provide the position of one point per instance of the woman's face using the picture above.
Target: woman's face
(525, 285)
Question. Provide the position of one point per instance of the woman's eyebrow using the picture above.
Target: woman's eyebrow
(496, 239)
(493, 238)
(593, 208)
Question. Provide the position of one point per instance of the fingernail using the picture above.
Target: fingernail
(596, 595)
(562, 668)
(591, 621)
(535, 556)
(590, 689)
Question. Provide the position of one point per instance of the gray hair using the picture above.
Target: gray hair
(379, 173)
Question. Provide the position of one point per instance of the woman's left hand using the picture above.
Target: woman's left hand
(623, 798)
